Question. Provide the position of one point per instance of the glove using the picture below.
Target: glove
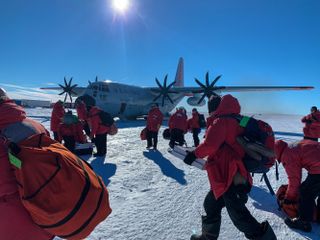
(190, 158)
(93, 140)
(308, 121)
(286, 201)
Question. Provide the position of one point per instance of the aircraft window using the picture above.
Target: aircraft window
(95, 87)
(95, 93)
(105, 88)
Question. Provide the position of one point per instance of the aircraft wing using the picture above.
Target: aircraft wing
(193, 90)
(77, 90)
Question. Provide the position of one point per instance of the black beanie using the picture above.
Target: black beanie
(213, 103)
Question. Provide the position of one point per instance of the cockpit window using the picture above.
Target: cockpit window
(105, 88)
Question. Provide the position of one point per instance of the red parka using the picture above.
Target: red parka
(95, 123)
(56, 116)
(75, 130)
(15, 221)
(210, 120)
(82, 111)
(312, 127)
(154, 119)
(223, 151)
(193, 122)
(178, 120)
(304, 154)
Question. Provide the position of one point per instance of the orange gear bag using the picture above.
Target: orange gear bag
(143, 134)
(291, 210)
(61, 192)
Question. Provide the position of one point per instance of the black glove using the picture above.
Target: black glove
(308, 121)
(190, 158)
(93, 140)
(286, 202)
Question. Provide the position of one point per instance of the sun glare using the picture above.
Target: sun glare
(120, 5)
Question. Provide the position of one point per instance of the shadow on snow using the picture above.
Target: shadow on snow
(104, 170)
(167, 168)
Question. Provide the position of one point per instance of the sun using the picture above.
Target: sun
(120, 5)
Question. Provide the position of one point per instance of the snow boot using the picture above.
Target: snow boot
(209, 232)
(268, 233)
(297, 223)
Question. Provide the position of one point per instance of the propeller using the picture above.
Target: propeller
(96, 80)
(208, 89)
(164, 90)
(68, 89)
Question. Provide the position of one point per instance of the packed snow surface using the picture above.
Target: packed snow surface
(155, 196)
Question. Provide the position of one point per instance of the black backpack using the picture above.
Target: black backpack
(257, 141)
(106, 118)
(202, 121)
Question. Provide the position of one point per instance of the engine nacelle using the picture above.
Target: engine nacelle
(193, 101)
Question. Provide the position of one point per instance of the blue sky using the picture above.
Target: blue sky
(249, 42)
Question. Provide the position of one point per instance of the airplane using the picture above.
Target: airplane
(129, 102)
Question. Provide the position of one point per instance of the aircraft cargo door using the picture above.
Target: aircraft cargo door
(122, 108)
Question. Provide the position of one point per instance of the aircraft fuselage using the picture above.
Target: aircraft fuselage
(127, 101)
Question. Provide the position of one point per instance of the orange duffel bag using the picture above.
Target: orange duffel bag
(291, 210)
(143, 134)
(61, 192)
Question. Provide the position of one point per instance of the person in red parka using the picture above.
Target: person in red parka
(15, 221)
(194, 126)
(312, 124)
(56, 118)
(82, 115)
(154, 121)
(178, 126)
(71, 131)
(294, 157)
(98, 130)
(230, 181)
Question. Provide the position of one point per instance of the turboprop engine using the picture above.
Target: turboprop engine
(194, 101)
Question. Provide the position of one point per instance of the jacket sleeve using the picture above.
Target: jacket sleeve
(170, 122)
(59, 133)
(95, 120)
(294, 172)
(82, 138)
(215, 137)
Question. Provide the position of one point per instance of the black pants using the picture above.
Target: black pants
(176, 136)
(86, 128)
(56, 136)
(195, 135)
(69, 143)
(234, 200)
(101, 143)
(152, 139)
(309, 191)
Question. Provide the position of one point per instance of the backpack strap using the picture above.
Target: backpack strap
(277, 171)
(244, 121)
(266, 180)
(237, 117)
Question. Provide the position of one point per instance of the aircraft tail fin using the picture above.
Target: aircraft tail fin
(180, 74)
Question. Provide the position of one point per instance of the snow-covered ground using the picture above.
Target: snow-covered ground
(156, 196)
